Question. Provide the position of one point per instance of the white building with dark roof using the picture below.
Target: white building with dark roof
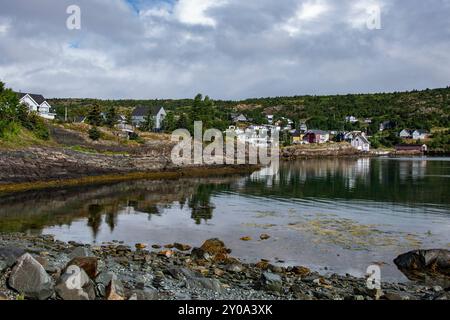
(36, 103)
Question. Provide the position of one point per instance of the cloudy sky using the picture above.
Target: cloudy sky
(229, 49)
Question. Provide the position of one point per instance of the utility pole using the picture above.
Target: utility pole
(65, 115)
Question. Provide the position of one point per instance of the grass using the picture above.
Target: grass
(16, 137)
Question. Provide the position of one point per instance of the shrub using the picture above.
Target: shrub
(94, 134)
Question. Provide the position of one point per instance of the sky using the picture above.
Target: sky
(227, 49)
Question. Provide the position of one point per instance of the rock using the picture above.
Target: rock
(215, 247)
(395, 296)
(181, 273)
(81, 252)
(8, 256)
(263, 265)
(29, 278)
(3, 297)
(145, 295)
(123, 249)
(115, 290)
(140, 246)
(205, 283)
(437, 289)
(219, 272)
(156, 246)
(102, 281)
(419, 263)
(182, 247)
(88, 264)
(246, 239)
(271, 282)
(301, 271)
(75, 284)
(236, 268)
(372, 293)
(264, 236)
(166, 253)
(200, 254)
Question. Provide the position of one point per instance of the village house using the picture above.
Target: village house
(141, 112)
(405, 134)
(420, 134)
(303, 127)
(351, 119)
(316, 136)
(36, 103)
(240, 119)
(360, 142)
(297, 137)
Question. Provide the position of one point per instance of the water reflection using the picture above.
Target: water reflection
(410, 182)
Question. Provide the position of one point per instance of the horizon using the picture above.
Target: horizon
(155, 49)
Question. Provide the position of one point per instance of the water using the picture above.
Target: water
(332, 215)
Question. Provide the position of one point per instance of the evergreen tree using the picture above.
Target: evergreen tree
(94, 117)
(111, 117)
(149, 122)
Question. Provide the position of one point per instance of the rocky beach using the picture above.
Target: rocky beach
(41, 268)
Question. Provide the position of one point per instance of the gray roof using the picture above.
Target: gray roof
(36, 97)
(142, 111)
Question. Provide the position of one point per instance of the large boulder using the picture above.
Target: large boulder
(88, 264)
(75, 284)
(421, 264)
(271, 282)
(8, 256)
(30, 279)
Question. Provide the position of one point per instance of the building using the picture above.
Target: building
(420, 134)
(316, 136)
(269, 119)
(360, 142)
(387, 125)
(297, 137)
(351, 119)
(411, 148)
(141, 112)
(240, 118)
(303, 127)
(406, 134)
(36, 103)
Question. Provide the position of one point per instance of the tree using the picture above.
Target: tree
(169, 123)
(149, 122)
(111, 117)
(94, 134)
(94, 117)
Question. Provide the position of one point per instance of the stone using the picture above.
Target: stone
(75, 284)
(218, 272)
(271, 282)
(88, 264)
(246, 239)
(181, 273)
(140, 246)
(29, 278)
(102, 281)
(264, 236)
(215, 247)
(8, 256)
(263, 265)
(166, 253)
(182, 247)
(205, 283)
(418, 263)
(301, 271)
(156, 246)
(236, 268)
(200, 254)
(115, 290)
(81, 252)
(145, 295)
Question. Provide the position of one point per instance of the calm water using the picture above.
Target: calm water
(338, 214)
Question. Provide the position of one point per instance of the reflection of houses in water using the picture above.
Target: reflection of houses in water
(413, 170)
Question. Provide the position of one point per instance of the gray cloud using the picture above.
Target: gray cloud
(229, 49)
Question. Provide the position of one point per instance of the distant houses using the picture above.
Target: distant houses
(360, 142)
(408, 148)
(140, 113)
(36, 103)
(414, 134)
(316, 136)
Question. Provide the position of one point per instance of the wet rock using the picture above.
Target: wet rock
(145, 295)
(263, 265)
(156, 246)
(419, 263)
(200, 254)
(301, 271)
(182, 247)
(8, 256)
(88, 264)
(246, 238)
(395, 296)
(236, 268)
(166, 253)
(215, 247)
(115, 290)
(75, 284)
(264, 236)
(271, 282)
(102, 281)
(81, 252)
(140, 246)
(29, 278)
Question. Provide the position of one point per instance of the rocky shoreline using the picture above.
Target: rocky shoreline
(41, 268)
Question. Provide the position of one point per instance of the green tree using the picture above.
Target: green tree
(111, 117)
(94, 134)
(149, 122)
(94, 117)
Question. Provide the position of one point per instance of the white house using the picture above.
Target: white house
(405, 134)
(140, 113)
(36, 103)
(351, 119)
(420, 134)
(359, 141)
